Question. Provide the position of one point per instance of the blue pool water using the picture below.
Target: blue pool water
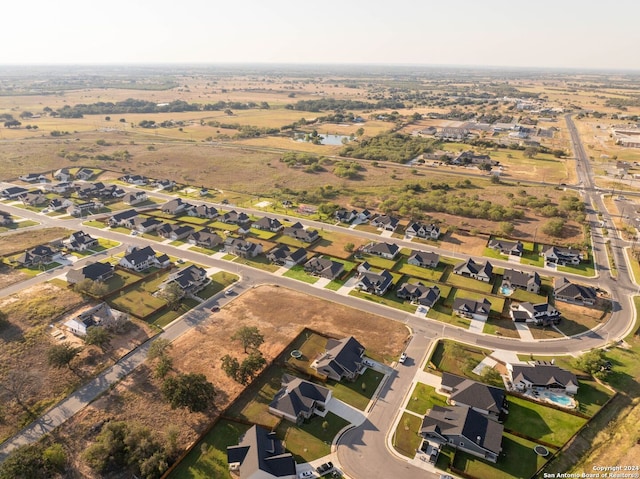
(560, 399)
(506, 290)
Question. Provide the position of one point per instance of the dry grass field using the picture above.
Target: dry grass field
(16, 242)
(138, 397)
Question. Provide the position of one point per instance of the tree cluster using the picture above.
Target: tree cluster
(35, 461)
(394, 147)
(331, 104)
(251, 339)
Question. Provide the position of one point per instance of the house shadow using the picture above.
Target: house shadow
(354, 438)
(527, 421)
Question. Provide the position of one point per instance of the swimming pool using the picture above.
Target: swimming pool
(506, 290)
(559, 399)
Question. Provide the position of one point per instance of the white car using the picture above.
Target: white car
(305, 474)
(403, 358)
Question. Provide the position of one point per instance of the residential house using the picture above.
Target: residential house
(298, 232)
(562, 256)
(421, 230)
(234, 218)
(424, 259)
(520, 280)
(122, 218)
(34, 178)
(385, 250)
(175, 232)
(372, 282)
(84, 174)
(86, 208)
(385, 222)
(165, 184)
(345, 216)
(137, 180)
(547, 376)
(324, 267)
(5, 218)
(100, 315)
(268, 224)
(33, 198)
(471, 158)
(242, 248)
(363, 216)
(205, 238)
(203, 211)
(112, 191)
(261, 455)
(287, 256)
(510, 248)
(139, 259)
(471, 269)
(298, 400)
(135, 198)
(487, 400)
(541, 314)
(451, 133)
(176, 207)
(469, 308)
(58, 204)
(465, 429)
(191, 279)
(61, 188)
(95, 272)
(80, 241)
(13, 192)
(143, 224)
(419, 293)
(62, 174)
(37, 256)
(342, 359)
(565, 290)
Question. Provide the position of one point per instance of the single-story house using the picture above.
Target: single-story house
(165, 184)
(203, 211)
(547, 376)
(385, 250)
(135, 198)
(191, 279)
(512, 248)
(5, 218)
(372, 282)
(342, 359)
(205, 238)
(469, 308)
(100, 315)
(122, 218)
(268, 224)
(176, 207)
(419, 293)
(345, 216)
(424, 259)
(175, 232)
(421, 230)
(287, 256)
(465, 429)
(297, 231)
(242, 248)
(13, 192)
(58, 204)
(234, 218)
(520, 280)
(487, 400)
(95, 272)
(37, 256)
(81, 209)
(385, 222)
(84, 174)
(34, 178)
(562, 256)
(324, 267)
(34, 198)
(144, 224)
(299, 400)
(542, 314)
(137, 180)
(471, 269)
(62, 174)
(261, 455)
(565, 290)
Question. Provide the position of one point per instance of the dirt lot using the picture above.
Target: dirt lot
(16, 242)
(24, 342)
(138, 397)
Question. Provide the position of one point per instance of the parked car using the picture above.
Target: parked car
(305, 474)
(403, 358)
(229, 292)
(324, 468)
(180, 261)
(215, 309)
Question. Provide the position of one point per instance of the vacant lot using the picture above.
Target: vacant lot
(138, 398)
(18, 242)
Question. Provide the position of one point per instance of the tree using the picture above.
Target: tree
(228, 112)
(192, 391)
(18, 384)
(107, 118)
(530, 152)
(163, 366)
(592, 362)
(172, 294)
(88, 287)
(491, 376)
(98, 336)
(249, 337)
(12, 123)
(230, 366)
(26, 114)
(506, 227)
(61, 355)
(34, 461)
(250, 367)
(349, 247)
(553, 227)
(159, 348)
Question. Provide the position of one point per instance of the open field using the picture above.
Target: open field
(22, 240)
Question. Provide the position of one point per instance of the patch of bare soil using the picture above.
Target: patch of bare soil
(279, 313)
(9, 276)
(16, 242)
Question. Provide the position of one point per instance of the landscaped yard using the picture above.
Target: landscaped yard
(540, 422)
(430, 274)
(219, 281)
(406, 439)
(311, 440)
(389, 299)
(205, 462)
(591, 397)
(459, 358)
(298, 272)
(311, 345)
(501, 327)
(585, 268)
(468, 283)
(519, 461)
(357, 393)
(260, 262)
(423, 398)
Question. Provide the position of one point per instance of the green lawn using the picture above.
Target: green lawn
(312, 440)
(424, 398)
(209, 457)
(540, 422)
(297, 272)
(591, 397)
(522, 296)
(456, 358)
(120, 279)
(289, 241)
(497, 302)
(262, 234)
(519, 462)
(335, 285)
(492, 253)
(389, 299)
(406, 439)
(348, 265)
(585, 268)
(357, 393)
(219, 281)
(259, 262)
(379, 262)
(430, 274)
(469, 283)
(311, 345)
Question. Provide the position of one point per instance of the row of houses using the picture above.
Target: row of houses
(62, 174)
(387, 223)
(552, 254)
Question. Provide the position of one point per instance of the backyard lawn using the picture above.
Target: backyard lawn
(459, 358)
(430, 274)
(540, 422)
(298, 272)
(259, 262)
(468, 283)
(423, 398)
(312, 440)
(357, 393)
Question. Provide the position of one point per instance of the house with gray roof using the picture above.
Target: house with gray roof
(419, 293)
(144, 224)
(421, 230)
(342, 359)
(470, 308)
(261, 455)
(520, 280)
(345, 216)
(297, 231)
(463, 428)
(13, 192)
(324, 267)
(62, 174)
(562, 256)
(191, 279)
(234, 218)
(487, 400)
(547, 376)
(385, 222)
(565, 290)
(176, 207)
(424, 259)
(373, 282)
(40, 255)
(34, 198)
(139, 259)
(509, 248)
(175, 232)
(203, 211)
(95, 272)
(385, 250)
(205, 238)
(268, 224)
(122, 218)
(471, 269)
(299, 400)
(541, 314)
(135, 198)
(5, 218)
(80, 241)
(242, 248)
(285, 255)
(99, 315)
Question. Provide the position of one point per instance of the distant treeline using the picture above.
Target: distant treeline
(132, 105)
(395, 147)
(331, 104)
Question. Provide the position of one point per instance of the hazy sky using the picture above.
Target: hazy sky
(543, 33)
